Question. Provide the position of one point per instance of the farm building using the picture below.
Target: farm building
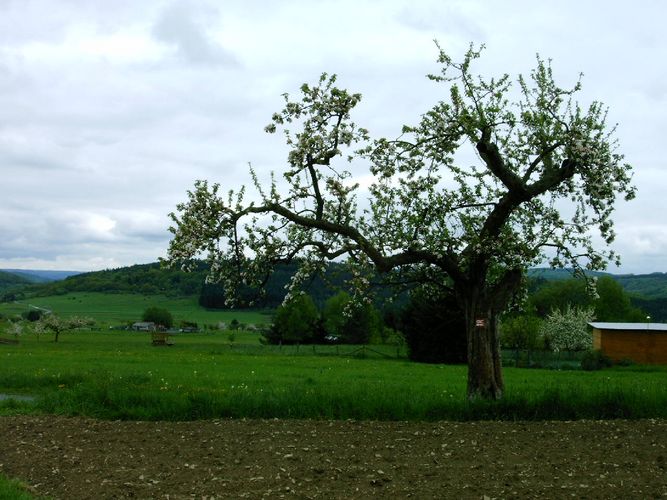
(639, 342)
(143, 326)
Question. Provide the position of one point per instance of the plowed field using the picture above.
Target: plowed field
(76, 458)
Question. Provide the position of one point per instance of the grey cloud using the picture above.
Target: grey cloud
(179, 27)
(655, 90)
(441, 19)
(32, 154)
(49, 232)
(31, 161)
(23, 21)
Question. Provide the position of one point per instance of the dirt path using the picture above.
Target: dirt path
(74, 458)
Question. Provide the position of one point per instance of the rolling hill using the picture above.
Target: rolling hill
(11, 280)
(39, 276)
(648, 291)
(650, 286)
(647, 286)
(146, 279)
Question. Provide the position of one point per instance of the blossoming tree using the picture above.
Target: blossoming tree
(544, 177)
(52, 323)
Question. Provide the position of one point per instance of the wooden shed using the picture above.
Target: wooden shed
(641, 342)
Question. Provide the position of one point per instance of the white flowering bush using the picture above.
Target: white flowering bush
(568, 330)
(15, 328)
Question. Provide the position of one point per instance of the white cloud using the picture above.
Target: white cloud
(93, 226)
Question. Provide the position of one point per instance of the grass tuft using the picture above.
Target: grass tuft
(12, 489)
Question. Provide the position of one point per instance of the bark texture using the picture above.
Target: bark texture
(482, 304)
(485, 377)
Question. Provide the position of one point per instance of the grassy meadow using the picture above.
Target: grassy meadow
(116, 309)
(119, 375)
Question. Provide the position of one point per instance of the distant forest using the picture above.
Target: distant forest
(648, 286)
(152, 279)
(9, 280)
(648, 292)
(145, 279)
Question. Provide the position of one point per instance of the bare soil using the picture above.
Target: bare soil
(77, 458)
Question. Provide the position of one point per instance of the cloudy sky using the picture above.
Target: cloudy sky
(110, 110)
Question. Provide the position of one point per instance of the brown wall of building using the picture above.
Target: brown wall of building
(639, 346)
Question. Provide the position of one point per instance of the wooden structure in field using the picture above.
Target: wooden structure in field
(644, 343)
(159, 338)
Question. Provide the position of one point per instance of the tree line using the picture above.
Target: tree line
(556, 313)
(647, 293)
(145, 279)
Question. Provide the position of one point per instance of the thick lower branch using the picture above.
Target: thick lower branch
(494, 162)
(383, 263)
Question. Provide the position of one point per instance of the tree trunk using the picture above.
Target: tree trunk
(485, 377)
(482, 303)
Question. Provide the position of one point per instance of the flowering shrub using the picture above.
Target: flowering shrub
(568, 330)
(15, 328)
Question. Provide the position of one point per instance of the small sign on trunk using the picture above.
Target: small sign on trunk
(480, 323)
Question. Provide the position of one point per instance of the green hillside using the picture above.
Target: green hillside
(40, 276)
(549, 274)
(152, 279)
(647, 286)
(145, 279)
(650, 286)
(11, 280)
(119, 308)
(649, 291)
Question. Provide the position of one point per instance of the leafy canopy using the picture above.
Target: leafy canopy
(348, 324)
(159, 316)
(295, 322)
(544, 177)
(610, 301)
